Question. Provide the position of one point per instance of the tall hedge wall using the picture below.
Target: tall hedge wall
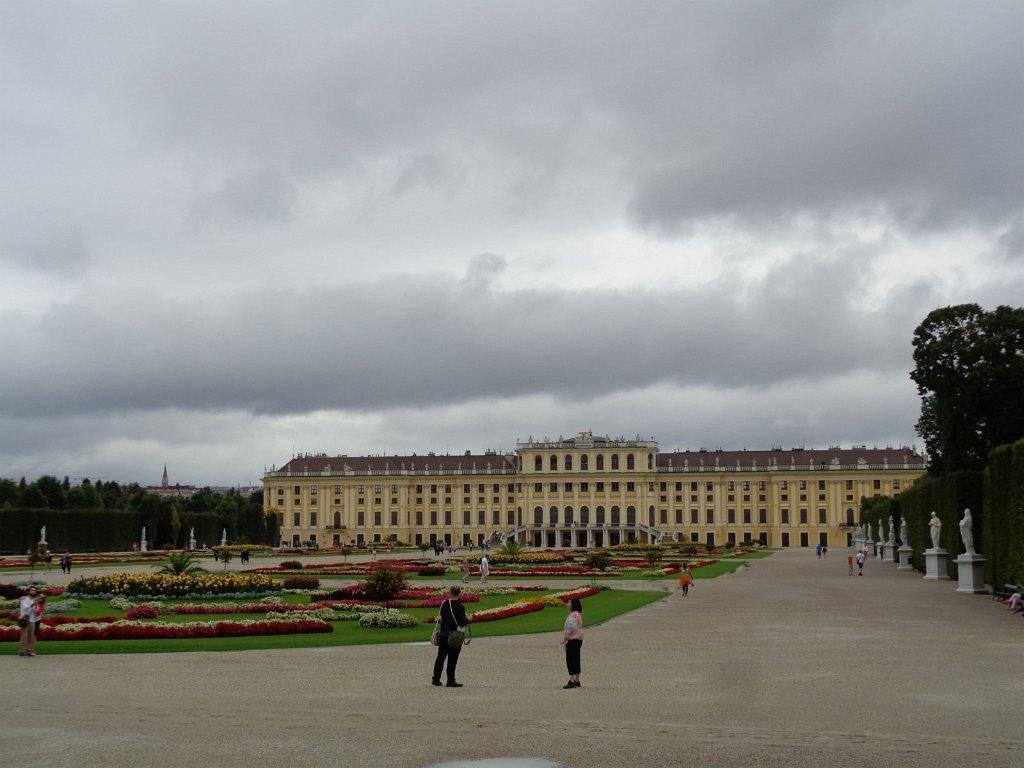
(947, 495)
(84, 530)
(1002, 540)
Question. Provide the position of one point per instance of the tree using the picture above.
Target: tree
(385, 583)
(8, 492)
(969, 371)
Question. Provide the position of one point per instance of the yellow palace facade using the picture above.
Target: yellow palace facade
(585, 491)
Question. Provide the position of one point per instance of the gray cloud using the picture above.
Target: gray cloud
(212, 216)
(430, 341)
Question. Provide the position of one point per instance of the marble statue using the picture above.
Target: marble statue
(936, 528)
(191, 538)
(224, 538)
(904, 536)
(881, 532)
(142, 540)
(892, 531)
(42, 535)
(967, 532)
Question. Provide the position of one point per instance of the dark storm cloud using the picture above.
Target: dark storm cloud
(743, 110)
(410, 341)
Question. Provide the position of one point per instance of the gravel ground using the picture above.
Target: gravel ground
(790, 661)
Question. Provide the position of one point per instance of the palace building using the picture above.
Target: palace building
(586, 491)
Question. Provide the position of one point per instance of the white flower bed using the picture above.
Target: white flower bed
(392, 620)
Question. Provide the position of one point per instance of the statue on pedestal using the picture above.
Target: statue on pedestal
(936, 528)
(967, 532)
(904, 536)
(892, 531)
(142, 540)
(191, 538)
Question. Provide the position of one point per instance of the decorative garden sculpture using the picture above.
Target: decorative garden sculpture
(967, 532)
(936, 529)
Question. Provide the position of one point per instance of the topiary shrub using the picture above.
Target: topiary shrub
(432, 571)
(301, 582)
(291, 565)
(142, 612)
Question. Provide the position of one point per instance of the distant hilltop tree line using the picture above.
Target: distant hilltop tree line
(969, 371)
(107, 516)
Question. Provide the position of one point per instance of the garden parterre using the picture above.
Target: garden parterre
(154, 620)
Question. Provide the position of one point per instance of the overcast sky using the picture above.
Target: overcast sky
(235, 231)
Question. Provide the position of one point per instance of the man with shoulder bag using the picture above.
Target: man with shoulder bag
(451, 619)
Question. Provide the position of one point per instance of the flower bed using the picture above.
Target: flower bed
(133, 630)
(391, 620)
(180, 585)
(501, 612)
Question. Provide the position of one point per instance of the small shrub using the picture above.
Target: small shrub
(599, 561)
(301, 582)
(142, 612)
(291, 565)
(385, 583)
(432, 571)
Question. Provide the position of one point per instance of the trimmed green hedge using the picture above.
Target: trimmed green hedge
(947, 495)
(1002, 539)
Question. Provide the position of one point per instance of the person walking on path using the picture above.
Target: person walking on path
(685, 579)
(451, 616)
(849, 565)
(485, 569)
(26, 611)
(860, 563)
(572, 639)
(465, 570)
(818, 551)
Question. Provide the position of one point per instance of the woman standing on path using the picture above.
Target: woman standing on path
(572, 639)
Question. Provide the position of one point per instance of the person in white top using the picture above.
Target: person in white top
(485, 569)
(27, 623)
(572, 639)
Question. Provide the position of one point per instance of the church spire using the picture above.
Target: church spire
(164, 482)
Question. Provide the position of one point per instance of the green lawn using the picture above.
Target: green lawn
(597, 609)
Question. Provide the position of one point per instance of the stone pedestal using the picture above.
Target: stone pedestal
(972, 574)
(893, 552)
(905, 554)
(871, 547)
(936, 564)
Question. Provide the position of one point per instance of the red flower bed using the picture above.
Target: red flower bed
(517, 609)
(177, 631)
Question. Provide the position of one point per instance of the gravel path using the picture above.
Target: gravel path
(789, 662)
